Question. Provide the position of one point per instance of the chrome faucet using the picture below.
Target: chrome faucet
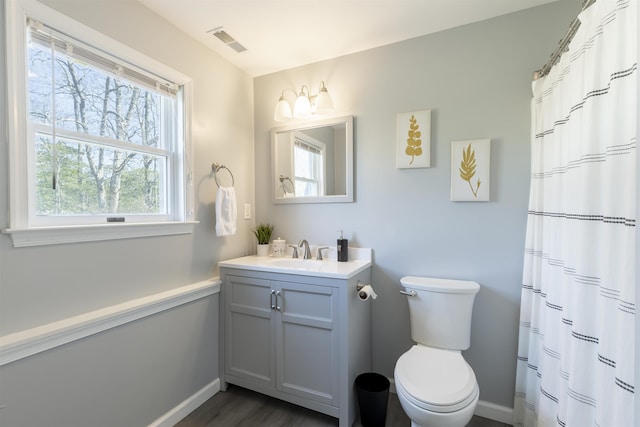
(295, 251)
(319, 256)
(307, 250)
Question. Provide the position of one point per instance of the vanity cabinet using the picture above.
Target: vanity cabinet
(277, 330)
(298, 338)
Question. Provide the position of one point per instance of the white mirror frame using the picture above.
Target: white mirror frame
(347, 121)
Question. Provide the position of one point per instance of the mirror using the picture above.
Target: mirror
(313, 162)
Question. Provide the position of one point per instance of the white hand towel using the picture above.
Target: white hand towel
(226, 211)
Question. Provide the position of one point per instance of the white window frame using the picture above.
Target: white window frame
(23, 232)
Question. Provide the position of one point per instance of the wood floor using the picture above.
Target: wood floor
(244, 408)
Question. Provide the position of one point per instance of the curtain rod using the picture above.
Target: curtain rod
(562, 44)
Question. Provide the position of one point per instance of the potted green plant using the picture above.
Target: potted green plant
(263, 234)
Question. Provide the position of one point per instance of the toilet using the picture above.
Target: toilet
(435, 385)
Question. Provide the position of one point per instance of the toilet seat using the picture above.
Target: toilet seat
(435, 379)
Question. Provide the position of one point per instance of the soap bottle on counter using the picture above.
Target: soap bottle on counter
(343, 248)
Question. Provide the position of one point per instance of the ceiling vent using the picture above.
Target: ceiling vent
(225, 38)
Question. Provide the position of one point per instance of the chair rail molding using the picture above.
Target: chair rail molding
(25, 343)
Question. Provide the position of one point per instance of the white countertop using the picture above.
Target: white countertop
(359, 260)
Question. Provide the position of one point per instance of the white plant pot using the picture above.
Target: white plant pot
(263, 250)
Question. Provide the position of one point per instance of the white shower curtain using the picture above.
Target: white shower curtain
(576, 358)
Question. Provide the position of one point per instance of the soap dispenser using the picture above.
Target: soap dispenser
(279, 247)
(343, 248)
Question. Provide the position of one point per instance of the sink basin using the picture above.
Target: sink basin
(296, 263)
(330, 268)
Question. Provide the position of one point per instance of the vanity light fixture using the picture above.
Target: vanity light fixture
(305, 104)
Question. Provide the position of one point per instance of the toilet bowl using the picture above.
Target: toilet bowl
(436, 387)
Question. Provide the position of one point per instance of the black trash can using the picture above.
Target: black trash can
(372, 391)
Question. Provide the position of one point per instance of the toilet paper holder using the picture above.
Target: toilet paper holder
(360, 285)
(365, 290)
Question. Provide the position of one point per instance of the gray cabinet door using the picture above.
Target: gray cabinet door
(307, 341)
(250, 328)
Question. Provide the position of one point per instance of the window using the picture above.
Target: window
(308, 158)
(101, 133)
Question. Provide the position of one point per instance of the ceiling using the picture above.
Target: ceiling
(283, 34)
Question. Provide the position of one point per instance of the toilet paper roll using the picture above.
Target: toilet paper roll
(366, 292)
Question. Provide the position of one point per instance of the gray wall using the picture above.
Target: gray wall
(476, 80)
(135, 373)
(637, 347)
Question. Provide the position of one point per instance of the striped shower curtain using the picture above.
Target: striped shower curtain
(576, 358)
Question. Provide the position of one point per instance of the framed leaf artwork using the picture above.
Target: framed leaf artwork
(470, 170)
(414, 140)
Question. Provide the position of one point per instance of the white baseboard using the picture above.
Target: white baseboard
(484, 409)
(392, 385)
(176, 414)
(494, 412)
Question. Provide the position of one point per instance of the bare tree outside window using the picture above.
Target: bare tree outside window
(103, 152)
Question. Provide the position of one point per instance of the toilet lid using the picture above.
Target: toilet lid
(435, 379)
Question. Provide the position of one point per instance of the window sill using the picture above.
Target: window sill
(39, 236)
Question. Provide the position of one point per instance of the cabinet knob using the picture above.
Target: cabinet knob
(277, 306)
(271, 296)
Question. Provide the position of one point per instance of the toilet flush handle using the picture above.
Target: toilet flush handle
(410, 293)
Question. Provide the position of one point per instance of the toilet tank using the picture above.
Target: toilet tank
(440, 311)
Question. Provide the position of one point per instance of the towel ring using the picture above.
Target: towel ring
(215, 167)
(284, 187)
